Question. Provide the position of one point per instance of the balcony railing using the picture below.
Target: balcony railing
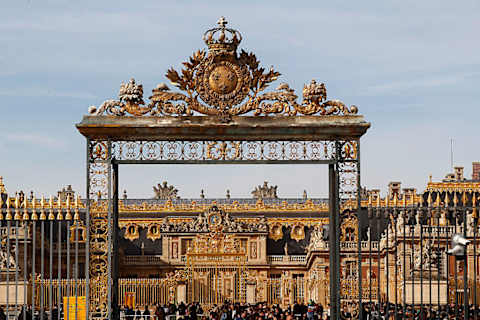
(277, 259)
(146, 260)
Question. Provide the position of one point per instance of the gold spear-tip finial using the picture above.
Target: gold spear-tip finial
(2, 186)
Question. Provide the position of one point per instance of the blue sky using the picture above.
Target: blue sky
(412, 68)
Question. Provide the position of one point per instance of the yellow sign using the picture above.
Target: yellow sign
(130, 299)
(75, 306)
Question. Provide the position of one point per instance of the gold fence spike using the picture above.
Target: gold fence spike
(59, 214)
(42, 202)
(464, 199)
(447, 199)
(17, 208)
(429, 199)
(437, 201)
(51, 216)
(369, 200)
(25, 210)
(42, 214)
(50, 202)
(17, 201)
(34, 214)
(395, 200)
(77, 202)
(68, 216)
(8, 216)
(455, 199)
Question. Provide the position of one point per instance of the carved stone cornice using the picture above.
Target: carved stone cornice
(203, 223)
(235, 207)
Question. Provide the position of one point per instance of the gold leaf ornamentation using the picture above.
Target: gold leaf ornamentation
(223, 83)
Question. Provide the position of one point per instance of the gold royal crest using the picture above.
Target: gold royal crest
(224, 83)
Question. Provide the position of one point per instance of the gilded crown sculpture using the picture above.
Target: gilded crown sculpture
(222, 82)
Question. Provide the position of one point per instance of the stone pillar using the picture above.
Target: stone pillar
(182, 293)
(251, 296)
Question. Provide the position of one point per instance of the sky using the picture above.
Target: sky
(412, 68)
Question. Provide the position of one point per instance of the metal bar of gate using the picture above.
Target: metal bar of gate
(465, 261)
(67, 307)
(475, 230)
(50, 269)
(378, 227)
(404, 312)
(34, 248)
(420, 216)
(42, 260)
(395, 214)
(333, 244)
(387, 278)
(59, 262)
(8, 259)
(109, 226)
(455, 217)
(439, 257)
(359, 232)
(16, 258)
(25, 270)
(115, 265)
(87, 225)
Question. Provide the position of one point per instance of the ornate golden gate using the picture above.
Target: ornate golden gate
(216, 265)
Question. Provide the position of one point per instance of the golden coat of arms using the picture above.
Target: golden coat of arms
(222, 82)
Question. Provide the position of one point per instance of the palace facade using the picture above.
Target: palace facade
(262, 248)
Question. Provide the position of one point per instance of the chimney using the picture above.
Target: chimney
(475, 170)
(374, 193)
(458, 173)
(394, 188)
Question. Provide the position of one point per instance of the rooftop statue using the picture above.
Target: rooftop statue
(165, 192)
(265, 192)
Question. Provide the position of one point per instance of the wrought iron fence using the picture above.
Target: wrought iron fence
(426, 261)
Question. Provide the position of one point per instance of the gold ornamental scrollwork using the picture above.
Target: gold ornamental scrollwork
(297, 232)
(275, 232)
(223, 82)
(153, 231)
(131, 232)
(223, 150)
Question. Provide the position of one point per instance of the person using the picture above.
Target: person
(3, 316)
(146, 313)
(192, 311)
(55, 313)
(129, 313)
(138, 313)
(160, 313)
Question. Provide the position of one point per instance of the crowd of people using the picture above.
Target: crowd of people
(262, 311)
(300, 311)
